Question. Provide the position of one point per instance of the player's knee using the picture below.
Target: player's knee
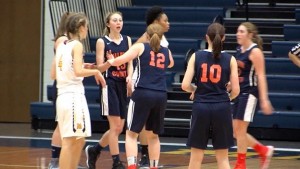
(117, 129)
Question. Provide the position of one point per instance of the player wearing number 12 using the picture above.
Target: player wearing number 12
(148, 102)
(213, 69)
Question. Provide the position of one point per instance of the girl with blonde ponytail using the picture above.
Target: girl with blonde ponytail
(148, 102)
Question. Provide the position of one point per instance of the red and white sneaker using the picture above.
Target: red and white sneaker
(240, 166)
(265, 159)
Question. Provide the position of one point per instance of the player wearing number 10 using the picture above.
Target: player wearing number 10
(213, 69)
(148, 102)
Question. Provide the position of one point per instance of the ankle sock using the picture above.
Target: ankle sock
(144, 149)
(115, 158)
(55, 151)
(153, 164)
(241, 159)
(98, 147)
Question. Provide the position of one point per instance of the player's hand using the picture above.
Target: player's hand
(266, 107)
(109, 55)
(100, 79)
(192, 96)
(129, 86)
(228, 87)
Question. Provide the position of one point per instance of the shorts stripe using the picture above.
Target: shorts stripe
(104, 101)
(250, 108)
(130, 113)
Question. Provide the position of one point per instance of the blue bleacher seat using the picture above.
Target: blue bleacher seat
(279, 119)
(177, 30)
(187, 14)
(281, 66)
(297, 15)
(44, 110)
(291, 32)
(283, 83)
(192, 3)
(282, 48)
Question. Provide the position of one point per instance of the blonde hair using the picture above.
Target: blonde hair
(61, 30)
(106, 30)
(74, 22)
(251, 28)
(155, 33)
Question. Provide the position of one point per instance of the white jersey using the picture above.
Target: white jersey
(164, 42)
(66, 80)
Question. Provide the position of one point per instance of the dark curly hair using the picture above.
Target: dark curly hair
(153, 14)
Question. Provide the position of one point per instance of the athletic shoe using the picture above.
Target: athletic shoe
(80, 167)
(144, 162)
(266, 158)
(132, 167)
(240, 166)
(91, 157)
(118, 165)
(53, 164)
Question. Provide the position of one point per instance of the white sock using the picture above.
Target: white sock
(131, 160)
(154, 163)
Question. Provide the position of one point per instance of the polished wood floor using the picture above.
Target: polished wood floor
(23, 148)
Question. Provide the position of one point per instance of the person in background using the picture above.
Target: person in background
(114, 96)
(211, 112)
(253, 88)
(294, 55)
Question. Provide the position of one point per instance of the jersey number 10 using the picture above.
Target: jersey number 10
(214, 74)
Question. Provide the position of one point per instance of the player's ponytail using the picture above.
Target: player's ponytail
(216, 33)
(155, 33)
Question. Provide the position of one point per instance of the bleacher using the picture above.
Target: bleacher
(188, 23)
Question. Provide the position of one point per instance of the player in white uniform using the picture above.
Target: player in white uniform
(72, 110)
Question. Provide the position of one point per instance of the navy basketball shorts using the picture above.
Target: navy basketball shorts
(147, 108)
(211, 120)
(114, 99)
(54, 97)
(244, 107)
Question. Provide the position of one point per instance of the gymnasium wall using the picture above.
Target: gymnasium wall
(20, 58)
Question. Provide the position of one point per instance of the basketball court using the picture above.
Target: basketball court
(21, 147)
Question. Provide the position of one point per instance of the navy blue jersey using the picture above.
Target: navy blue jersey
(296, 50)
(212, 75)
(116, 72)
(247, 74)
(151, 69)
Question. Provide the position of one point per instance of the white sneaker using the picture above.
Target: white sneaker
(53, 164)
(265, 159)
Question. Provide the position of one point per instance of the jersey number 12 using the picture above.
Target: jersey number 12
(157, 60)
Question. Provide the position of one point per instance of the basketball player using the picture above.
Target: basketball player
(148, 102)
(114, 96)
(213, 69)
(72, 110)
(60, 37)
(253, 88)
(153, 15)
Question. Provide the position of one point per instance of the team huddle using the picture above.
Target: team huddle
(226, 91)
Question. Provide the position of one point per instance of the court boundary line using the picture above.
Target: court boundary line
(123, 142)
